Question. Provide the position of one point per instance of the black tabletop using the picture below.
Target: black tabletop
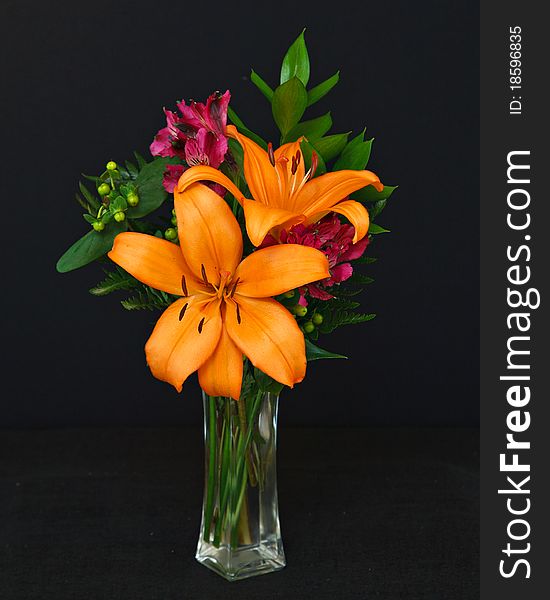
(114, 514)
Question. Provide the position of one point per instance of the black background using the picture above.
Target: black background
(86, 82)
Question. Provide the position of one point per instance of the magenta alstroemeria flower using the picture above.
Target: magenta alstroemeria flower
(171, 176)
(197, 134)
(211, 116)
(335, 240)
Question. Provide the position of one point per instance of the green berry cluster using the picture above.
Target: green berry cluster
(171, 234)
(116, 198)
(300, 312)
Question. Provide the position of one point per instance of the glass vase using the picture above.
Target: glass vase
(240, 534)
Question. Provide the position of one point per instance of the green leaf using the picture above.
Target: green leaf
(313, 352)
(88, 196)
(234, 118)
(148, 299)
(119, 204)
(365, 260)
(343, 317)
(140, 160)
(114, 280)
(296, 61)
(149, 187)
(307, 151)
(369, 193)
(355, 155)
(319, 91)
(375, 229)
(89, 248)
(312, 130)
(132, 169)
(360, 279)
(377, 208)
(261, 85)
(289, 104)
(266, 383)
(330, 146)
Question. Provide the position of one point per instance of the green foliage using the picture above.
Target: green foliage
(115, 280)
(359, 278)
(340, 317)
(289, 104)
(313, 352)
(148, 299)
(377, 208)
(375, 229)
(313, 130)
(331, 146)
(92, 202)
(369, 193)
(90, 247)
(307, 151)
(296, 62)
(266, 383)
(261, 85)
(149, 187)
(320, 91)
(355, 155)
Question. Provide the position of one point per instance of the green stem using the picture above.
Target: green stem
(244, 429)
(209, 511)
(234, 475)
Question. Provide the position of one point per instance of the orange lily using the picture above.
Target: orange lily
(225, 309)
(283, 193)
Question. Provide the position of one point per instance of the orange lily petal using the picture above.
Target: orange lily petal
(277, 269)
(358, 216)
(176, 348)
(222, 373)
(153, 261)
(323, 192)
(283, 164)
(205, 173)
(209, 233)
(260, 219)
(269, 335)
(259, 173)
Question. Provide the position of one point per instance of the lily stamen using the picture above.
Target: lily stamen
(201, 324)
(271, 153)
(182, 311)
(238, 314)
(184, 287)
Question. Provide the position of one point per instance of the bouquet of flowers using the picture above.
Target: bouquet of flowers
(251, 252)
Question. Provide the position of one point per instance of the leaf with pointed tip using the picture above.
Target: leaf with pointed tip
(330, 146)
(296, 61)
(375, 229)
(312, 130)
(355, 155)
(88, 196)
(376, 208)
(261, 85)
(289, 104)
(149, 186)
(369, 193)
(313, 352)
(319, 91)
(307, 151)
(90, 247)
